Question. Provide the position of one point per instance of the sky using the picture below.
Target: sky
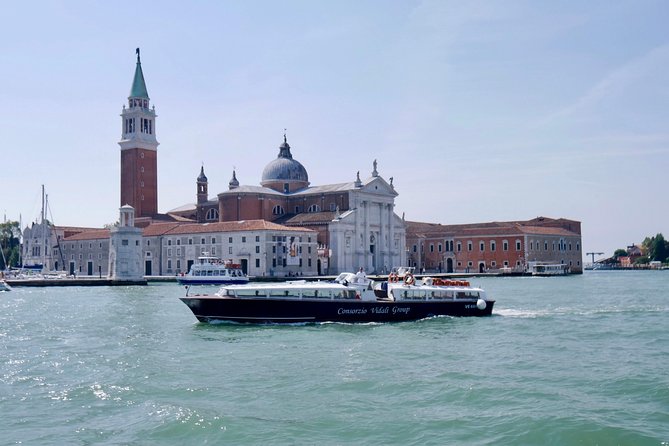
(479, 110)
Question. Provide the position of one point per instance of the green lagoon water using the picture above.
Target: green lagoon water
(580, 360)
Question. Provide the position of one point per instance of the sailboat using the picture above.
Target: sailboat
(37, 242)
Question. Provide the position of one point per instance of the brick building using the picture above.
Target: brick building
(494, 246)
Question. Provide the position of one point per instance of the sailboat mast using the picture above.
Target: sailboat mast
(44, 231)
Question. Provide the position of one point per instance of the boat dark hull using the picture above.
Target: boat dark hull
(211, 309)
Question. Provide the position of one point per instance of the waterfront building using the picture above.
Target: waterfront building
(261, 247)
(494, 246)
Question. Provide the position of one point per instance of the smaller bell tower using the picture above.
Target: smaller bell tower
(202, 195)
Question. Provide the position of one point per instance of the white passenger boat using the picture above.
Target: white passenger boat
(349, 298)
(548, 269)
(212, 270)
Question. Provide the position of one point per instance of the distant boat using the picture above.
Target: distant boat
(211, 270)
(549, 269)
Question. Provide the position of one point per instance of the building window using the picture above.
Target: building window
(314, 208)
(169, 252)
(203, 241)
(212, 215)
(545, 246)
(230, 250)
(333, 207)
(431, 247)
(178, 264)
(459, 245)
(482, 246)
(505, 245)
(470, 246)
(439, 247)
(278, 210)
(257, 249)
(169, 264)
(213, 240)
(493, 246)
(124, 242)
(517, 245)
(415, 248)
(178, 241)
(243, 239)
(213, 250)
(229, 239)
(257, 263)
(257, 239)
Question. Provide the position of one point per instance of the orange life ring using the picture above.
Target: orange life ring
(392, 277)
(409, 279)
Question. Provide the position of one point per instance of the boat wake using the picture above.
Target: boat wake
(530, 314)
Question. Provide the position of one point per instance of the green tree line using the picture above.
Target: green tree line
(10, 243)
(654, 248)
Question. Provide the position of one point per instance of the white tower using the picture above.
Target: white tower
(125, 250)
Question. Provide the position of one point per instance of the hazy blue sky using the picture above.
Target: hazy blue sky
(480, 110)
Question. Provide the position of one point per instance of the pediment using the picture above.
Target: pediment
(378, 186)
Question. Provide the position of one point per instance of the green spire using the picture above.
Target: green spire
(138, 89)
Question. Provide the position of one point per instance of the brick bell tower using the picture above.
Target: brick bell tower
(139, 173)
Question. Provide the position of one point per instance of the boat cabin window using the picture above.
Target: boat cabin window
(467, 295)
(249, 293)
(315, 294)
(278, 293)
(443, 294)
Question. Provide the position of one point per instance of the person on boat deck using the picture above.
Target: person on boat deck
(360, 275)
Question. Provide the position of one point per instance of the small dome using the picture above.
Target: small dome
(284, 167)
(233, 184)
(202, 178)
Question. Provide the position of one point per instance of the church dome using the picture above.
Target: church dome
(284, 168)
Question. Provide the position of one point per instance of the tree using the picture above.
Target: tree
(656, 248)
(619, 253)
(10, 243)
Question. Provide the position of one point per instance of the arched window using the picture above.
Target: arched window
(314, 208)
(278, 210)
(212, 214)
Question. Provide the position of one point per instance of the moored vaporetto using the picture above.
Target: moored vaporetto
(350, 298)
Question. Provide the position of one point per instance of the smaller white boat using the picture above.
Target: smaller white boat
(211, 270)
(4, 286)
(548, 269)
